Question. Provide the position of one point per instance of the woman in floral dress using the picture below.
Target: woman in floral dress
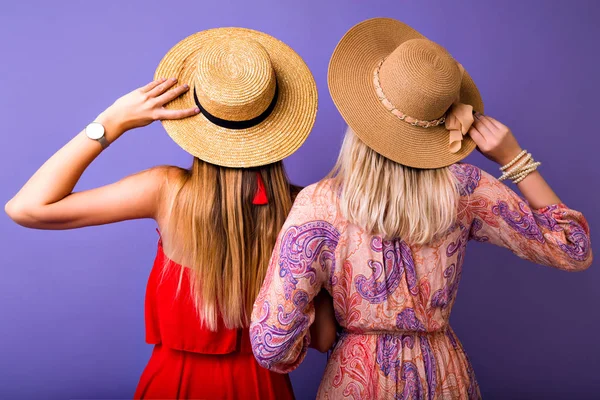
(386, 233)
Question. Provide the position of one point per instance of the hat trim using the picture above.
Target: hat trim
(236, 125)
(392, 108)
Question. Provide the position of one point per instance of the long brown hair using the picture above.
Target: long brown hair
(226, 239)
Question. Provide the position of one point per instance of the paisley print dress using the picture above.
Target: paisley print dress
(393, 299)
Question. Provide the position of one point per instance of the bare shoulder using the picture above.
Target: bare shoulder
(165, 176)
(160, 178)
(173, 175)
(168, 180)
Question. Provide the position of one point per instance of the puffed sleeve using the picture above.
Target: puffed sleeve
(302, 259)
(555, 236)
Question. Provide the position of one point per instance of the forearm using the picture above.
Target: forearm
(536, 191)
(57, 177)
(498, 144)
(47, 202)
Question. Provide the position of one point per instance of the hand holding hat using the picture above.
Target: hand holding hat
(143, 106)
(494, 139)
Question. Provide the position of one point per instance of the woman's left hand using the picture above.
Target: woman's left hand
(143, 106)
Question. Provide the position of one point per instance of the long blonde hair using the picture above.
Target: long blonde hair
(227, 239)
(393, 200)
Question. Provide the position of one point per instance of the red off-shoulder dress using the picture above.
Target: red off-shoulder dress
(190, 362)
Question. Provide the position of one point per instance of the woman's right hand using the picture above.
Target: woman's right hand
(143, 106)
(494, 140)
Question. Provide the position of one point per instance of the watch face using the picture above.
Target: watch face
(94, 130)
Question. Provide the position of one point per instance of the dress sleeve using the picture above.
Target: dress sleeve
(555, 236)
(301, 263)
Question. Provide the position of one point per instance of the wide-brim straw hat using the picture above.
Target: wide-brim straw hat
(257, 97)
(403, 94)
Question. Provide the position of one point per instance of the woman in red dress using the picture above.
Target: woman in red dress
(239, 101)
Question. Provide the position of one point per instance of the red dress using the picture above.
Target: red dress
(190, 362)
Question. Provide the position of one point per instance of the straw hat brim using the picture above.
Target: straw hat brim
(275, 138)
(350, 81)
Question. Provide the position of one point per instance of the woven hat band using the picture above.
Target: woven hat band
(457, 119)
(391, 108)
(234, 80)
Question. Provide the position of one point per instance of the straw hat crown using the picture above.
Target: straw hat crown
(257, 97)
(235, 80)
(421, 79)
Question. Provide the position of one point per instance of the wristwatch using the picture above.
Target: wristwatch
(95, 131)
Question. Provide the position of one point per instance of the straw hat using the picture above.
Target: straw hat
(403, 95)
(257, 97)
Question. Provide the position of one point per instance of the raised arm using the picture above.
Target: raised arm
(496, 142)
(538, 227)
(47, 200)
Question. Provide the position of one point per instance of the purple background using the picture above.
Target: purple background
(71, 303)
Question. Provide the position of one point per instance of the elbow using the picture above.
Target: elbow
(20, 213)
(260, 360)
(577, 264)
(266, 363)
(587, 257)
(275, 358)
(15, 211)
(586, 263)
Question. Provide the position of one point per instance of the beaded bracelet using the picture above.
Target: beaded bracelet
(526, 170)
(521, 167)
(523, 174)
(516, 168)
(518, 175)
(514, 160)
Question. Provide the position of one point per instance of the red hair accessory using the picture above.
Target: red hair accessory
(260, 198)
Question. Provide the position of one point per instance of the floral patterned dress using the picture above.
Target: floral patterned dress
(393, 299)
